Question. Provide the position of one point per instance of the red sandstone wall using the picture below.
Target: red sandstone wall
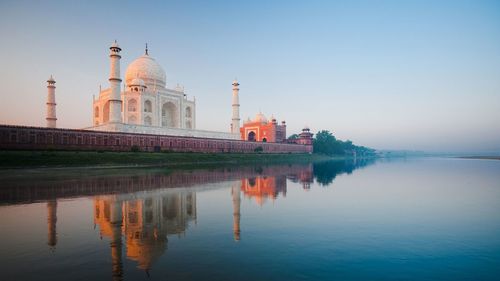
(38, 138)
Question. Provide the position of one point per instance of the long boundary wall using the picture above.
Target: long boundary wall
(40, 138)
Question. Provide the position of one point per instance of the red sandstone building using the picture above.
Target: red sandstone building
(261, 130)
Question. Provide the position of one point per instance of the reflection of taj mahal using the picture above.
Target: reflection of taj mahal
(138, 224)
(144, 223)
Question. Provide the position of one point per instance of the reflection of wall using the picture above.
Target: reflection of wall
(144, 223)
(60, 185)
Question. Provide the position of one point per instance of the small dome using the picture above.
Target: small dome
(260, 118)
(51, 79)
(148, 70)
(137, 82)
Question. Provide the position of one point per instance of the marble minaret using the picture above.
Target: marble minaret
(115, 102)
(51, 103)
(235, 124)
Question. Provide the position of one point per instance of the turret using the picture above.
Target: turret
(51, 103)
(235, 124)
(306, 137)
(115, 102)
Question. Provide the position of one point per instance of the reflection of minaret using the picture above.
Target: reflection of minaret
(116, 240)
(236, 211)
(51, 223)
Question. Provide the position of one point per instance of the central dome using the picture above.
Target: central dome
(147, 69)
(260, 118)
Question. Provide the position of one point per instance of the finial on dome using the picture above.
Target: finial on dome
(147, 49)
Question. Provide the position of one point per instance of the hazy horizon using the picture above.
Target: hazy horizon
(413, 75)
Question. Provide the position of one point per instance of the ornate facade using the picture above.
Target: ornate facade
(261, 130)
(146, 104)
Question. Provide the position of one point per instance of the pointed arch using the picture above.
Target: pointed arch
(132, 105)
(148, 106)
(251, 136)
(169, 115)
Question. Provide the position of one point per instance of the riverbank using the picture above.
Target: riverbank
(481, 157)
(64, 159)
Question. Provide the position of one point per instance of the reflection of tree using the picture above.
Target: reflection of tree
(325, 172)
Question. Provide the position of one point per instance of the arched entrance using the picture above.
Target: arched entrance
(148, 107)
(251, 136)
(264, 140)
(169, 115)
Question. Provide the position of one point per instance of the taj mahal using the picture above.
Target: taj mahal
(146, 105)
(143, 111)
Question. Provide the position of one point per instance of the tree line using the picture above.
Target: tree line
(325, 143)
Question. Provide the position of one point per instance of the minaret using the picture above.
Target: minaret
(115, 102)
(235, 124)
(236, 210)
(51, 103)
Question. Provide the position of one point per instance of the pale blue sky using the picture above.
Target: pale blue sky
(419, 75)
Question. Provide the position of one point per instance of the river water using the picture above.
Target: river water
(409, 219)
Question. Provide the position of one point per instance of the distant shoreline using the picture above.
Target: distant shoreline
(480, 157)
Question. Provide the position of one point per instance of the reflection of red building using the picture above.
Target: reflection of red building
(262, 188)
(261, 130)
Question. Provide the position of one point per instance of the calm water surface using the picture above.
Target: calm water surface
(415, 219)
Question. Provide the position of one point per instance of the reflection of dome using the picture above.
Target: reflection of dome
(147, 69)
(146, 250)
(260, 118)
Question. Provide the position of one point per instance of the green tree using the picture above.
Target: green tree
(326, 143)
